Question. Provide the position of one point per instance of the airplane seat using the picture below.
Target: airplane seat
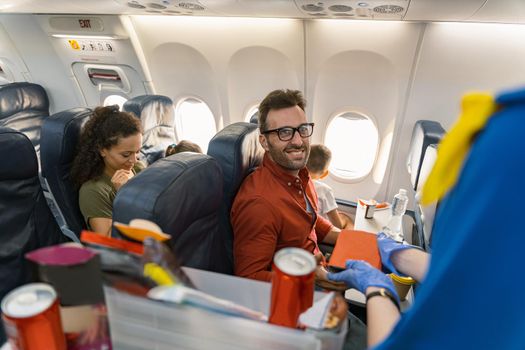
(23, 107)
(238, 151)
(426, 134)
(60, 136)
(426, 213)
(26, 221)
(255, 118)
(182, 194)
(157, 115)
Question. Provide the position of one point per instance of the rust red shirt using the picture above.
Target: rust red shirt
(270, 213)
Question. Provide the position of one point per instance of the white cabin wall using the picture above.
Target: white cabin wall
(456, 58)
(229, 63)
(39, 63)
(360, 66)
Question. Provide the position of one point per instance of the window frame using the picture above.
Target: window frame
(368, 116)
(179, 100)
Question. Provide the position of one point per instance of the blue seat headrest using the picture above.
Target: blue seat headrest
(238, 151)
(23, 106)
(18, 156)
(157, 116)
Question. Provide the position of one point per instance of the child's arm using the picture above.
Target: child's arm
(335, 218)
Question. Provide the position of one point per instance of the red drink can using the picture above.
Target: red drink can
(292, 286)
(32, 318)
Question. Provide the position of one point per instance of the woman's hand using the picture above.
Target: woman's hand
(120, 177)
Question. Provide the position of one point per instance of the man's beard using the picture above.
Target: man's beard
(279, 156)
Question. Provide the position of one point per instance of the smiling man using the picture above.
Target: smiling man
(276, 205)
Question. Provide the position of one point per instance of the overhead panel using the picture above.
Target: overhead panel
(254, 8)
(501, 11)
(358, 9)
(442, 10)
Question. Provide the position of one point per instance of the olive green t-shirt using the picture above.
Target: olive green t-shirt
(95, 197)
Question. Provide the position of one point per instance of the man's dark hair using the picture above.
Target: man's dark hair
(319, 158)
(279, 99)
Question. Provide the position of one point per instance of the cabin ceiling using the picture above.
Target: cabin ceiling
(502, 11)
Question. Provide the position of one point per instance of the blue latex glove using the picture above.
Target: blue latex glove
(387, 246)
(361, 275)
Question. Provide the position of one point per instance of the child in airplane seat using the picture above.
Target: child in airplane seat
(109, 145)
(182, 146)
(317, 165)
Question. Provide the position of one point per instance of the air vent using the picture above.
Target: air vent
(136, 5)
(156, 6)
(172, 11)
(318, 14)
(312, 8)
(153, 11)
(343, 14)
(388, 9)
(191, 6)
(340, 8)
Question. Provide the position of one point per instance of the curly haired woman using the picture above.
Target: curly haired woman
(107, 158)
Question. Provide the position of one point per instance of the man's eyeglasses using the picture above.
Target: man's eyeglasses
(287, 133)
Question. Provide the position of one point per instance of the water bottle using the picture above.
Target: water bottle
(399, 206)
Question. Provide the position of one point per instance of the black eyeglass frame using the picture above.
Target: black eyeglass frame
(278, 131)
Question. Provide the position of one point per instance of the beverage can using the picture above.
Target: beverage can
(292, 286)
(32, 318)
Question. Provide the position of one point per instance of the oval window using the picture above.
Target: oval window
(114, 100)
(194, 121)
(253, 115)
(353, 139)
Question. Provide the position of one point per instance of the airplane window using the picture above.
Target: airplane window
(115, 100)
(252, 113)
(194, 121)
(353, 139)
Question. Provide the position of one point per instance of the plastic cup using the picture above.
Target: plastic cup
(402, 285)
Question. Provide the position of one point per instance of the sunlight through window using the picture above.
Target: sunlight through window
(353, 139)
(194, 121)
(115, 100)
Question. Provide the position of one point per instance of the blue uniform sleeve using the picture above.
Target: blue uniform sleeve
(472, 297)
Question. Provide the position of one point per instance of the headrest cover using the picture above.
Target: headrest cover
(153, 110)
(17, 97)
(238, 151)
(17, 154)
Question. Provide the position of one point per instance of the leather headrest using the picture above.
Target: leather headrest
(152, 110)
(238, 151)
(60, 135)
(18, 155)
(17, 97)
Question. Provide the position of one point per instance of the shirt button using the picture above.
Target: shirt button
(300, 192)
(289, 184)
(297, 180)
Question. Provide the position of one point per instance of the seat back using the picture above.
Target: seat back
(238, 151)
(23, 107)
(422, 155)
(60, 136)
(157, 116)
(427, 212)
(25, 219)
(424, 133)
(182, 194)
